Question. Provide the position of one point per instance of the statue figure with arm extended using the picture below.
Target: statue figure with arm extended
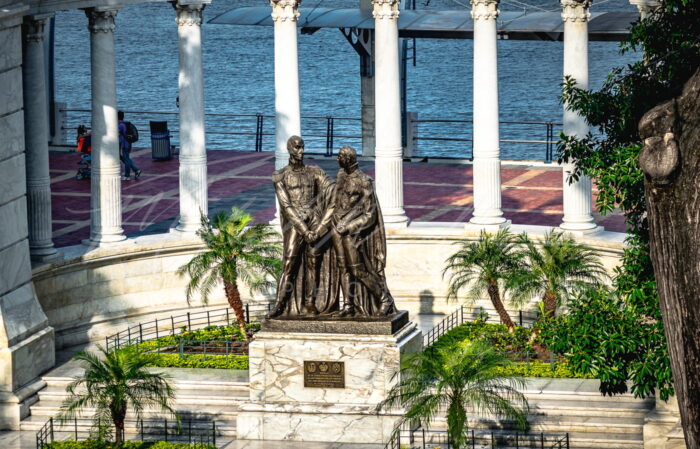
(301, 192)
(356, 228)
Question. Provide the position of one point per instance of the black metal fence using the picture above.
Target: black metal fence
(443, 138)
(465, 313)
(170, 430)
(421, 438)
(157, 328)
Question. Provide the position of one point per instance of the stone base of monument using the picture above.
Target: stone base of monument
(309, 383)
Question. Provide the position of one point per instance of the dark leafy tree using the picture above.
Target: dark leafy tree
(234, 252)
(114, 382)
(456, 379)
(661, 227)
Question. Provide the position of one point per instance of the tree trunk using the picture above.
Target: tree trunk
(550, 304)
(118, 416)
(670, 160)
(495, 296)
(234, 300)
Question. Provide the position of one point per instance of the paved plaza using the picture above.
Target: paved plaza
(433, 191)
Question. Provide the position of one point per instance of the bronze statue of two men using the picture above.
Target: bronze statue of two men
(333, 240)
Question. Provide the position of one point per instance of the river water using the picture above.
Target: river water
(238, 70)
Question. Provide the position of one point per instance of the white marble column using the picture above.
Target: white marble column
(645, 7)
(287, 104)
(577, 195)
(193, 154)
(105, 201)
(487, 153)
(387, 102)
(36, 130)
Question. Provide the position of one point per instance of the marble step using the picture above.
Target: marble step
(182, 396)
(229, 411)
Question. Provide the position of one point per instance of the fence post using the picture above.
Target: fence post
(247, 313)
(75, 427)
(213, 432)
(258, 132)
(156, 328)
(189, 430)
(172, 325)
(329, 136)
(567, 440)
(140, 333)
(520, 313)
(492, 442)
(181, 345)
(473, 440)
(128, 333)
(208, 319)
(549, 144)
(51, 428)
(517, 443)
(541, 440)
(189, 323)
(165, 431)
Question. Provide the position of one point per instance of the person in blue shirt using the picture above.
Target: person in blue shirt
(125, 151)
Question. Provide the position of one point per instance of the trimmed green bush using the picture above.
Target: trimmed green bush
(197, 361)
(97, 444)
(516, 344)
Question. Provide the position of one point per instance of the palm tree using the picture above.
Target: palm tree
(483, 265)
(235, 251)
(457, 378)
(115, 381)
(554, 271)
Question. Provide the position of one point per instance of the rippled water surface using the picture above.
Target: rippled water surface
(238, 70)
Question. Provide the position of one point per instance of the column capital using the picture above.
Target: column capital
(33, 29)
(385, 9)
(101, 20)
(575, 10)
(285, 10)
(188, 14)
(485, 9)
(645, 6)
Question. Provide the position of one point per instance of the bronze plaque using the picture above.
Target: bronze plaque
(324, 374)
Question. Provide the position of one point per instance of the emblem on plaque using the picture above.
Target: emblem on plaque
(319, 374)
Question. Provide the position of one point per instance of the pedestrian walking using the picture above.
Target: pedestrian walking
(128, 134)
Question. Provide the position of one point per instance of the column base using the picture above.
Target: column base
(575, 230)
(104, 240)
(487, 224)
(45, 254)
(395, 218)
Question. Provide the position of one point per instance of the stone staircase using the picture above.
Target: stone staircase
(200, 394)
(575, 406)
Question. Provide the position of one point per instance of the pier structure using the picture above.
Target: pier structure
(27, 339)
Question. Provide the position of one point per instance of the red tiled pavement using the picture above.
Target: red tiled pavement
(432, 192)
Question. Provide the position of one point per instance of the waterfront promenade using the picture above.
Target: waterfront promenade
(434, 191)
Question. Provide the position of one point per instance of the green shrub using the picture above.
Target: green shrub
(197, 361)
(97, 444)
(541, 369)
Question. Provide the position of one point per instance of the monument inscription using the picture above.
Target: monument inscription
(319, 374)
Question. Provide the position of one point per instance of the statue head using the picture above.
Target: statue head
(347, 157)
(295, 147)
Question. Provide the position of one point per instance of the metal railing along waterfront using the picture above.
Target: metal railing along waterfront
(420, 438)
(440, 138)
(465, 313)
(150, 330)
(189, 431)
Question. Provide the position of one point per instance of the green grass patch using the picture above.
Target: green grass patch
(98, 444)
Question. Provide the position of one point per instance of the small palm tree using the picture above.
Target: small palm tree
(235, 251)
(482, 265)
(554, 271)
(115, 381)
(457, 378)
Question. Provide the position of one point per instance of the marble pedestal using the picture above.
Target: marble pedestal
(282, 408)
